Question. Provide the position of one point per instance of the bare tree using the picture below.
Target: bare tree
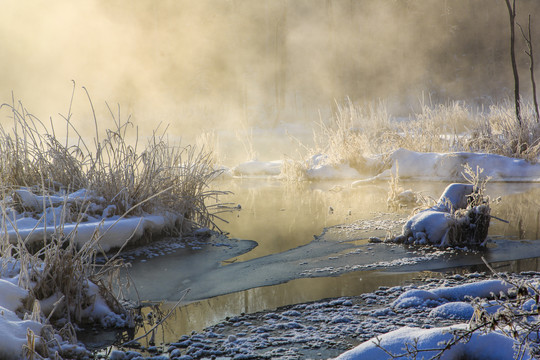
(529, 52)
(512, 14)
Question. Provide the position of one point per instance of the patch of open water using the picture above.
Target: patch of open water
(289, 265)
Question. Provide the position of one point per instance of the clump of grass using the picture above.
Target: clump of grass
(344, 138)
(159, 178)
(293, 170)
(398, 197)
(499, 132)
(471, 224)
(64, 283)
(355, 132)
(113, 167)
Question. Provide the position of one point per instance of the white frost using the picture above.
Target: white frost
(435, 297)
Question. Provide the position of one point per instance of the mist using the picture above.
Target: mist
(210, 64)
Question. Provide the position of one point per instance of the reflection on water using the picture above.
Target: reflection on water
(196, 316)
(282, 216)
(522, 211)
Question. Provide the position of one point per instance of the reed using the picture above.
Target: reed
(356, 132)
(115, 166)
(158, 178)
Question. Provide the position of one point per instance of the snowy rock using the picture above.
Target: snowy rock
(438, 296)
(117, 355)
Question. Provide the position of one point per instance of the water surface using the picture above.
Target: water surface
(312, 244)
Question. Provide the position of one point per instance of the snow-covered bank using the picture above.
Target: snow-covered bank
(26, 334)
(324, 329)
(445, 302)
(449, 166)
(491, 346)
(409, 164)
(52, 280)
(81, 214)
(13, 328)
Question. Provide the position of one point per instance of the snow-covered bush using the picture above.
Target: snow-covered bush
(460, 218)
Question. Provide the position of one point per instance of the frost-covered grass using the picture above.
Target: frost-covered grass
(354, 133)
(60, 287)
(66, 199)
(133, 179)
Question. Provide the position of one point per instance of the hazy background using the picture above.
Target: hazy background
(201, 64)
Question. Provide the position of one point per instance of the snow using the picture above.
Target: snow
(449, 166)
(13, 329)
(447, 302)
(319, 168)
(30, 224)
(491, 346)
(100, 312)
(484, 289)
(410, 165)
(454, 310)
(254, 167)
(33, 223)
(434, 225)
(454, 197)
(26, 220)
(114, 231)
(327, 328)
(15, 326)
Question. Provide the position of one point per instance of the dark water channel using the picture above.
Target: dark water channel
(296, 260)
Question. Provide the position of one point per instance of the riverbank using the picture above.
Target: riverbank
(327, 328)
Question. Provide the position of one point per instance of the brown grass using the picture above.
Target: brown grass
(155, 178)
(355, 132)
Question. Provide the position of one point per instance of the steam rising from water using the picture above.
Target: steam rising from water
(216, 63)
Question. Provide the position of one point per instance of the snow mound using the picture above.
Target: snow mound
(451, 222)
(13, 328)
(258, 168)
(448, 303)
(320, 168)
(448, 166)
(454, 310)
(438, 296)
(490, 346)
(29, 221)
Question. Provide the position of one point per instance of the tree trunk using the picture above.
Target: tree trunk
(512, 14)
(528, 40)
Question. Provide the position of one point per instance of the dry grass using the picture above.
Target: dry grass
(355, 132)
(65, 278)
(112, 166)
(155, 178)
(498, 132)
